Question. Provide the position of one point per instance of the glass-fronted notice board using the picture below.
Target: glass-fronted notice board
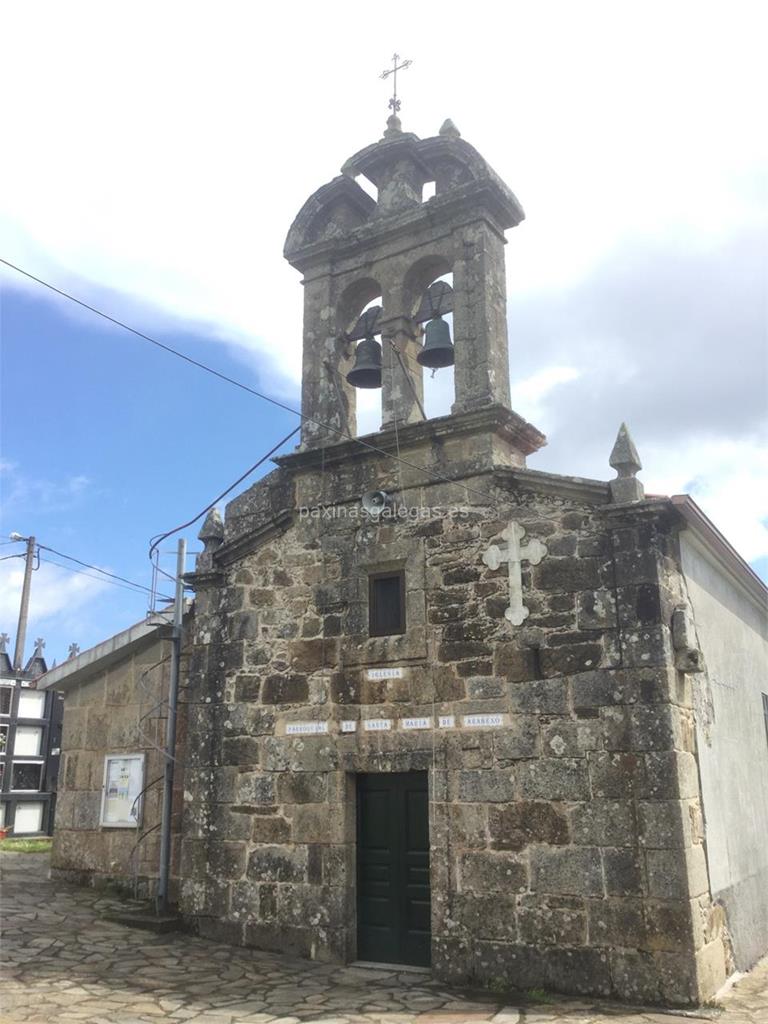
(121, 794)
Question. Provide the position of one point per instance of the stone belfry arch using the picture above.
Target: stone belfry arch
(352, 248)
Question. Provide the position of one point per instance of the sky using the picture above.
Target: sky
(156, 154)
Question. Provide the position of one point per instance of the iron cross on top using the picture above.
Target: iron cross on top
(394, 103)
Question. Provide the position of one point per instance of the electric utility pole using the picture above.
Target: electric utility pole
(170, 732)
(21, 632)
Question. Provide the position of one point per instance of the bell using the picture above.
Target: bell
(366, 373)
(437, 350)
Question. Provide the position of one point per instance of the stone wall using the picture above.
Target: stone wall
(732, 734)
(566, 844)
(101, 717)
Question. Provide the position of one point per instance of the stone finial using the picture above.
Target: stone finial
(449, 130)
(212, 530)
(74, 650)
(212, 536)
(4, 641)
(624, 457)
(39, 645)
(394, 127)
(625, 460)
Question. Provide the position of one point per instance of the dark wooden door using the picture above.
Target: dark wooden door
(393, 898)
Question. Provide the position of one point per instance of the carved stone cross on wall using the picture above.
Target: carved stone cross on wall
(514, 554)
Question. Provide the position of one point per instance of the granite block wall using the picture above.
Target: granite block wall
(101, 717)
(566, 838)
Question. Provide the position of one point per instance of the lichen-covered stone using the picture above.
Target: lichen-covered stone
(572, 870)
(514, 826)
(277, 864)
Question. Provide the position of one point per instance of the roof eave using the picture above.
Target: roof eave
(98, 658)
(721, 548)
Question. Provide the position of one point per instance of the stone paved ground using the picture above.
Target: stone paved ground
(62, 962)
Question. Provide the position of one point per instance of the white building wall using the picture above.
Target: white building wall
(732, 744)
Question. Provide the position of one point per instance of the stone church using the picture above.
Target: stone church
(443, 709)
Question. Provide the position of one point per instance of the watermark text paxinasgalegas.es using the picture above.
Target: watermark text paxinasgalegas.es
(390, 512)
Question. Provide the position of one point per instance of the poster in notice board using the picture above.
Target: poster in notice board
(121, 794)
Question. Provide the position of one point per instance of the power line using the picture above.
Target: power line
(162, 572)
(155, 541)
(146, 337)
(87, 565)
(134, 588)
(118, 580)
(244, 387)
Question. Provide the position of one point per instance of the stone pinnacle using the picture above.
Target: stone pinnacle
(625, 460)
(213, 527)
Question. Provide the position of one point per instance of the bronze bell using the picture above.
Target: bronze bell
(366, 373)
(437, 350)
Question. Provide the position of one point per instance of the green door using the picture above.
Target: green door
(393, 898)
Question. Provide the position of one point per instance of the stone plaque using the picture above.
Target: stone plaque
(349, 725)
(447, 721)
(385, 673)
(306, 728)
(417, 723)
(377, 724)
(483, 721)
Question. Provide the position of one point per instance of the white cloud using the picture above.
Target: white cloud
(59, 599)
(162, 154)
(21, 490)
(531, 395)
(727, 479)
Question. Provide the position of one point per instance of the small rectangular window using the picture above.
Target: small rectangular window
(3, 738)
(386, 603)
(6, 692)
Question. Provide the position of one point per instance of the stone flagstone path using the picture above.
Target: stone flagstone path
(61, 962)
